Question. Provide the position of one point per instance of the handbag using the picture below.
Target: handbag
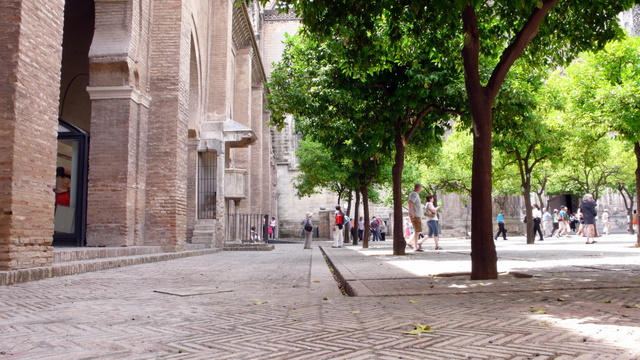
(308, 228)
(270, 231)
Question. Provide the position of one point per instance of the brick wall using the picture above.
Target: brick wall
(30, 59)
(168, 127)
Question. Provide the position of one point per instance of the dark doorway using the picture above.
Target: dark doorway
(71, 186)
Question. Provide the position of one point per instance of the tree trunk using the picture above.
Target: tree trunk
(528, 213)
(636, 149)
(399, 244)
(484, 261)
(367, 232)
(356, 217)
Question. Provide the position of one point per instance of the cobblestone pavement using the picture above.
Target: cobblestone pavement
(581, 303)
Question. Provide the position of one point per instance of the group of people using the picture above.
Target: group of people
(562, 222)
(415, 239)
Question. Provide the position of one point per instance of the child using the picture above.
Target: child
(255, 238)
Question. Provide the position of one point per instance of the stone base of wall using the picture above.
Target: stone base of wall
(82, 260)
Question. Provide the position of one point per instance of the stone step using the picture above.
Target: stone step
(237, 246)
(73, 267)
(87, 253)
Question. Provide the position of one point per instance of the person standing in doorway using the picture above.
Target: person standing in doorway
(415, 214)
(501, 227)
(63, 185)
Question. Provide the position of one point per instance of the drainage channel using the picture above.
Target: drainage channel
(342, 283)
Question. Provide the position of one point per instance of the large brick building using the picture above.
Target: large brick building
(151, 113)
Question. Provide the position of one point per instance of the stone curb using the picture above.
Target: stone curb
(79, 267)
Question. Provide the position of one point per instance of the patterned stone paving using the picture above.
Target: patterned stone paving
(285, 304)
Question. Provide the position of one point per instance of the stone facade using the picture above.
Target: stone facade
(157, 84)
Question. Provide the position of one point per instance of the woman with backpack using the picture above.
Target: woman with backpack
(338, 224)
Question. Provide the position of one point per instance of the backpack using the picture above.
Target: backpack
(339, 219)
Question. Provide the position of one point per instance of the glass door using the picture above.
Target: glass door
(70, 186)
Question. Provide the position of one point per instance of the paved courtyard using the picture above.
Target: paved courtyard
(560, 299)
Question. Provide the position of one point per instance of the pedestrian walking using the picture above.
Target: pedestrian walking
(415, 214)
(501, 226)
(307, 224)
(589, 212)
(338, 224)
(537, 219)
(432, 223)
(606, 222)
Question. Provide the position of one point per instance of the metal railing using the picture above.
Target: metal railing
(238, 227)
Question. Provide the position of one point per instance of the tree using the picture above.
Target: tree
(522, 135)
(319, 170)
(507, 28)
(403, 100)
(606, 94)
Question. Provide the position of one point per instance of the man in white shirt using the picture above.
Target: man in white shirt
(415, 214)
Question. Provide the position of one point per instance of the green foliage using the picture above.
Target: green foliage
(453, 171)
(319, 169)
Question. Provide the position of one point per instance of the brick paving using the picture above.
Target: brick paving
(580, 303)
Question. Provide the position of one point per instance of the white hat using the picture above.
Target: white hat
(309, 214)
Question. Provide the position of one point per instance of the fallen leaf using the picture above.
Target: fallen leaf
(560, 299)
(260, 302)
(414, 301)
(537, 311)
(545, 324)
(481, 284)
(325, 298)
(635, 282)
(419, 329)
(607, 301)
(625, 315)
(355, 312)
(624, 289)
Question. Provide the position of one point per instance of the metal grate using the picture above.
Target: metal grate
(238, 226)
(207, 185)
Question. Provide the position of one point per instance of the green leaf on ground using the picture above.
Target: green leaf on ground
(544, 324)
(259, 302)
(537, 311)
(560, 299)
(607, 301)
(624, 289)
(355, 312)
(419, 329)
(635, 282)
(316, 281)
(414, 301)
(325, 298)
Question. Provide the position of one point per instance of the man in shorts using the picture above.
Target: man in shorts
(415, 214)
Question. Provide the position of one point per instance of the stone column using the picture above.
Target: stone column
(241, 157)
(119, 115)
(30, 58)
(166, 221)
(258, 156)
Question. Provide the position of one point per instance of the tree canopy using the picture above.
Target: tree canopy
(482, 39)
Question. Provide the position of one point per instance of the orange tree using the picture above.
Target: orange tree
(484, 38)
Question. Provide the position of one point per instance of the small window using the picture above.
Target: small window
(207, 185)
